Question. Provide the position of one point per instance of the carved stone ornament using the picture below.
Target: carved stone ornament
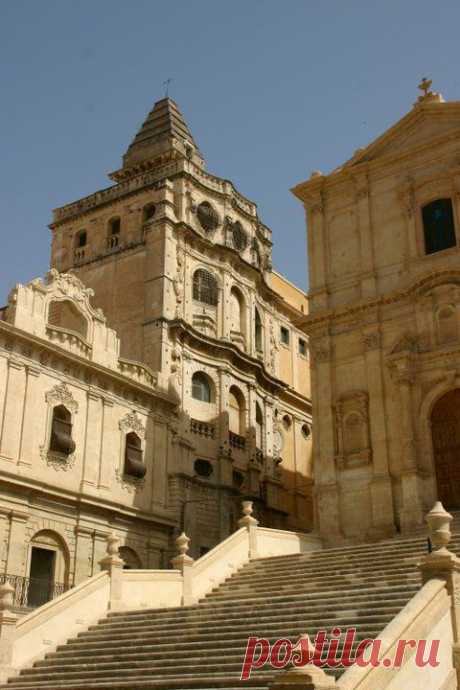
(208, 216)
(353, 434)
(131, 422)
(69, 285)
(60, 463)
(130, 484)
(61, 395)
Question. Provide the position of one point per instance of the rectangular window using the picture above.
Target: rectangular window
(302, 347)
(284, 335)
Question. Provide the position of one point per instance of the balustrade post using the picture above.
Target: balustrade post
(442, 563)
(114, 566)
(250, 523)
(184, 563)
(7, 631)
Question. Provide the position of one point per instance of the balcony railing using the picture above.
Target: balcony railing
(32, 592)
(236, 441)
(202, 428)
(79, 255)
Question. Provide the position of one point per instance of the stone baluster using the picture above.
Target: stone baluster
(7, 630)
(442, 563)
(184, 563)
(250, 523)
(113, 563)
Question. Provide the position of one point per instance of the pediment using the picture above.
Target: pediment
(425, 124)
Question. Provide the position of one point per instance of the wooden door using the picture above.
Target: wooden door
(445, 430)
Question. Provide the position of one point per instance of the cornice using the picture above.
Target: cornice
(38, 489)
(228, 351)
(13, 332)
(415, 288)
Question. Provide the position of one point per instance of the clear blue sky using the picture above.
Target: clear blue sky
(271, 91)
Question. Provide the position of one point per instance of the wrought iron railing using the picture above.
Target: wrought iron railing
(32, 592)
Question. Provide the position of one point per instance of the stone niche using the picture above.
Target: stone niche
(352, 430)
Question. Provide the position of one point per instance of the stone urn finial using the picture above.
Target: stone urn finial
(112, 558)
(182, 559)
(439, 521)
(247, 519)
(6, 597)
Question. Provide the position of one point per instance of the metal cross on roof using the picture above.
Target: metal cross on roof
(166, 85)
(425, 86)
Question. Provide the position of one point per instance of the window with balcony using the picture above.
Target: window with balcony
(134, 461)
(201, 387)
(61, 440)
(113, 235)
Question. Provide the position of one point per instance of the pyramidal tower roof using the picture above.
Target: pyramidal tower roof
(164, 130)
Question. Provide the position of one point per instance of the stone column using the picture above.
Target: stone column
(442, 563)
(383, 523)
(411, 513)
(368, 281)
(92, 457)
(28, 450)
(17, 544)
(12, 414)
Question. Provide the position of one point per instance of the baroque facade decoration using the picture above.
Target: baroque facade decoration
(142, 381)
(383, 322)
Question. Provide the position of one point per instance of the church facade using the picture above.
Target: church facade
(383, 241)
(157, 375)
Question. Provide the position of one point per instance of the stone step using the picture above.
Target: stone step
(399, 565)
(214, 607)
(266, 614)
(318, 619)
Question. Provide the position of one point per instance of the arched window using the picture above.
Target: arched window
(259, 426)
(61, 432)
(148, 212)
(205, 287)
(64, 314)
(258, 330)
(131, 559)
(134, 460)
(438, 226)
(201, 387)
(236, 404)
(114, 228)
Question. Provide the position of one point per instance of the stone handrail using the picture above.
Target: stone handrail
(51, 624)
(425, 617)
(22, 641)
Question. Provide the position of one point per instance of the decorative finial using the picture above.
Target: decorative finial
(428, 95)
(439, 521)
(425, 86)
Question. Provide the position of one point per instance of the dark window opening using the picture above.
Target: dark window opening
(61, 432)
(134, 460)
(258, 330)
(438, 226)
(81, 239)
(203, 468)
(237, 479)
(284, 334)
(302, 347)
(148, 212)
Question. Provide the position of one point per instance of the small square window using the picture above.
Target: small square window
(302, 347)
(284, 335)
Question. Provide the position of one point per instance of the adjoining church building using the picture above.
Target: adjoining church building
(155, 377)
(383, 245)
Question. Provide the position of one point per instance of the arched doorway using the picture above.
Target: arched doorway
(48, 568)
(445, 431)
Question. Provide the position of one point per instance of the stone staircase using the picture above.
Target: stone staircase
(202, 646)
